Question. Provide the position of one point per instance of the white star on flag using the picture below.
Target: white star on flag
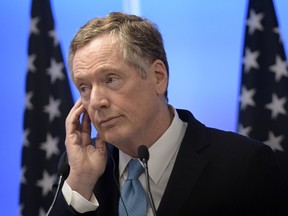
(55, 70)
(42, 212)
(46, 182)
(21, 206)
(244, 130)
(25, 137)
(22, 178)
(279, 68)
(50, 146)
(277, 31)
(53, 108)
(246, 97)
(250, 60)
(277, 106)
(53, 34)
(28, 103)
(254, 22)
(274, 141)
(33, 25)
(31, 63)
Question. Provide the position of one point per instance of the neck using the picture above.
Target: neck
(153, 133)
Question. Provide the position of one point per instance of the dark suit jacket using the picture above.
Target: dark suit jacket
(215, 173)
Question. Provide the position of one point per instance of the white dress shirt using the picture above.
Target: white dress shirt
(162, 158)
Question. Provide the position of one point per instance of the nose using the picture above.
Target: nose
(99, 98)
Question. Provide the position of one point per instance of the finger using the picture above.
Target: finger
(73, 125)
(75, 106)
(73, 118)
(86, 129)
(86, 123)
(100, 144)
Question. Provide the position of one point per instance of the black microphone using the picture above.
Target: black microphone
(63, 166)
(63, 172)
(143, 155)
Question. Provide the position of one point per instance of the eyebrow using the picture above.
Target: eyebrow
(102, 71)
(106, 69)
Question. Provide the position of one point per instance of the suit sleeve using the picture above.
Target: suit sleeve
(262, 184)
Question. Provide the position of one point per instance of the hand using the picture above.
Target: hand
(87, 162)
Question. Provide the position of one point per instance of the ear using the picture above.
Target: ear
(161, 77)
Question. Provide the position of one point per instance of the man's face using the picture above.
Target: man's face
(123, 107)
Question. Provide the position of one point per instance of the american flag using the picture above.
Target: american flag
(263, 110)
(47, 103)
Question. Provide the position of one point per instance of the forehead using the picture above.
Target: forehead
(99, 51)
(100, 45)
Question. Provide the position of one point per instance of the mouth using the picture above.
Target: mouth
(109, 121)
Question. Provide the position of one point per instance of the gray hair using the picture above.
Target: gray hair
(140, 41)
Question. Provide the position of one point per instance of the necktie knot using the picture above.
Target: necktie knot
(135, 169)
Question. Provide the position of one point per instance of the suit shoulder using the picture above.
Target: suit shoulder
(234, 140)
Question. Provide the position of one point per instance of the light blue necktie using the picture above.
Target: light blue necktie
(132, 192)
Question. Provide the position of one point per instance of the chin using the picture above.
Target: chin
(116, 137)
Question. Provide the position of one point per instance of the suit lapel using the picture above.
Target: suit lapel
(187, 168)
(107, 188)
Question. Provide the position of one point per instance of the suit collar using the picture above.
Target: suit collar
(188, 166)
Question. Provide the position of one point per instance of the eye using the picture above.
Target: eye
(113, 81)
(82, 89)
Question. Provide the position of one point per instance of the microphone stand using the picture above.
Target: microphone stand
(63, 172)
(148, 188)
(60, 183)
(143, 155)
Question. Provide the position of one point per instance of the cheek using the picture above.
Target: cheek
(142, 107)
(88, 110)
(85, 103)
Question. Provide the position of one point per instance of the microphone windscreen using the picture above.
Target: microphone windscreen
(63, 166)
(143, 153)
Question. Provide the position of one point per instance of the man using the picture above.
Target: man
(118, 64)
